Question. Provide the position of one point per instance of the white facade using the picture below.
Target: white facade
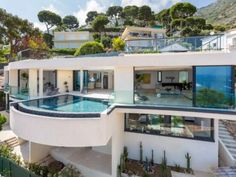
(106, 134)
(226, 41)
(71, 39)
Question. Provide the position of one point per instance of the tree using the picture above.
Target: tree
(118, 44)
(115, 12)
(71, 22)
(182, 10)
(14, 30)
(48, 38)
(196, 22)
(130, 15)
(99, 23)
(145, 14)
(50, 19)
(164, 17)
(219, 28)
(130, 12)
(91, 16)
(179, 19)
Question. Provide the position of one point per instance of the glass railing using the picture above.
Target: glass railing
(18, 93)
(176, 44)
(176, 99)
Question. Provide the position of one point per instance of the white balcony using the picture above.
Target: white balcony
(57, 131)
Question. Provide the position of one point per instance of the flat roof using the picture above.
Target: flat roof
(184, 59)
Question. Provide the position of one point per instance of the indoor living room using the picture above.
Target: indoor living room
(163, 86)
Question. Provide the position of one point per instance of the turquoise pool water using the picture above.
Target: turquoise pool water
(68, 103)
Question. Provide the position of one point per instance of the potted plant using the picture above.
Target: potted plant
(25, 77)
(66, 86)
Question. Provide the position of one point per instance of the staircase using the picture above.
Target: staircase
(227, 145)
(12, 142)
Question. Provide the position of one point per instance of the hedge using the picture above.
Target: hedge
(63, 51)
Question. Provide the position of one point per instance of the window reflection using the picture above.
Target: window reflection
(178, 126)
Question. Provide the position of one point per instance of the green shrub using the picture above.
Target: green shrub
(7, 152)
(118, 44)
(38, 169)
(3, 120)
(48, 38)
(90, 48)
(69, 171)
(64, 51)
(97, 37)
(55, 167)
(106, 41)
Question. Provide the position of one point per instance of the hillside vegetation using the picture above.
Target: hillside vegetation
(222, 12)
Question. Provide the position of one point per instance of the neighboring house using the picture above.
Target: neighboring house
(214, 42)
(71, 39)
(226, 40)
(170, 102)
(139, 38)
(231, 38)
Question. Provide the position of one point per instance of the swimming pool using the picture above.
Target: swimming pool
(70, 105)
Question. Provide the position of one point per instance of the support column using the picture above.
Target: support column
(33, 91)
(6, 77)
(81, 80)
(102, 75)
(124, 84)
(41, 82)
(13, 78)
(38, 152)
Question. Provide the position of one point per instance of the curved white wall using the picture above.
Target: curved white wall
(66, 132)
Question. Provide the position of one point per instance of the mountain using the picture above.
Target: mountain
(221, 12)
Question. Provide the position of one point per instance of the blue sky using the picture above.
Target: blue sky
(29, 8)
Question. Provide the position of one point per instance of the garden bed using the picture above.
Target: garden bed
(136, 169)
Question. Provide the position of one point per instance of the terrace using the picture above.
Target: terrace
(175, 87)
(176, 44)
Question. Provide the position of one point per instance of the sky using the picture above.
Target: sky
(28, 9)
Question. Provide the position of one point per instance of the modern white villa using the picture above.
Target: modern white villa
(71, 39)
(85, 110)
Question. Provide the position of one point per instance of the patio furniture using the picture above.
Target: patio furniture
(91, 85)
(51, 92)
(139, 97)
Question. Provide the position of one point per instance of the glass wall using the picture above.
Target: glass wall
(85, 81)
(169, 125)
(163, 87)
(214, 86)
(76, 83)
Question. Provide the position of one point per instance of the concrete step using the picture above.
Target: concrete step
(223, 129)
(227, 138)
(221, 125)
(228, 141)
(225, 133)
(45, 161)
(233, 150)
(229, 145)
(12, 142)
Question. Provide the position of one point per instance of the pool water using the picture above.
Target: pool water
(68, 103)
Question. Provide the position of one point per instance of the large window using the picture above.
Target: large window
(183, 77)
(214, 86)
(76, 83)
(167, 125)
